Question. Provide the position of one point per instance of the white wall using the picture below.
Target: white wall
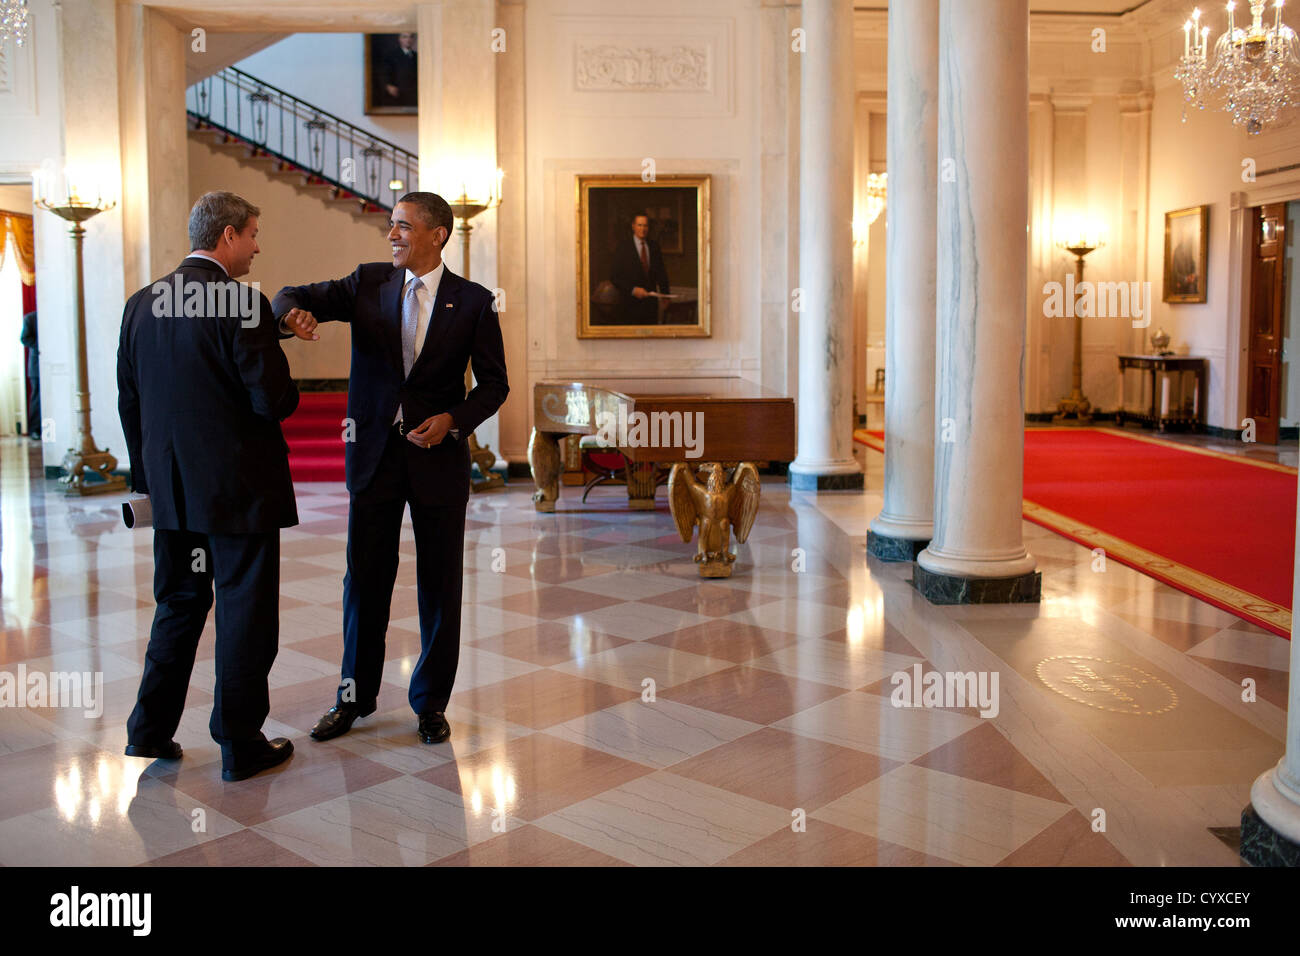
(31, 120)
(30, 110)
(713, 130)
(1197, 162)
(327, 70)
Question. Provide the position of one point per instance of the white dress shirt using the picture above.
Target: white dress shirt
(426, 295)
(195, 254)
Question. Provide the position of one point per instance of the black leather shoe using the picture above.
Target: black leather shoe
(277, 752)
(337, 721)
(434, 728)
(168, 751)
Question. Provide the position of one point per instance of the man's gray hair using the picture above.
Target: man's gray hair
(436, 211)
(213, 213)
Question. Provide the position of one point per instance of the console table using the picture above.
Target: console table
(1172, 393)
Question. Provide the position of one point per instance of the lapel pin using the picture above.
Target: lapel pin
(447, 306)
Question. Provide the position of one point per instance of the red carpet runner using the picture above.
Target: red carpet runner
(1218, 526)
(315, 436)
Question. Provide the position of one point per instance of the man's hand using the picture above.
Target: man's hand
(301, 323)
(639, 293)
(431, 431)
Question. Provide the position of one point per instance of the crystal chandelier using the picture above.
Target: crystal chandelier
(13, 21)
(1255, 70)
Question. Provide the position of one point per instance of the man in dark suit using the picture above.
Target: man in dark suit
(202, 388)
(637, 271)
(30, 339)
(398, 73)
(415, 325)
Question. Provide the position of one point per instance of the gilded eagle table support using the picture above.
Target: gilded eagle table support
(700, 426)
(718, 506)
(544, 459)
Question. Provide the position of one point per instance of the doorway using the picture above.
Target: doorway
(1266, 331)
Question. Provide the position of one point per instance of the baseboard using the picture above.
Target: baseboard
(321, 384)
(521, 469)
(1046, 417)
(1214, 431)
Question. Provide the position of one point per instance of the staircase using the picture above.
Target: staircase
(326, 156)
(319, 153)
(314, 433)
(323, 156)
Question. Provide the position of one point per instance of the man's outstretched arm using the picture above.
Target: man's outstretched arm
(298, 308)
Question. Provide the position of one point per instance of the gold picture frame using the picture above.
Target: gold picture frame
(1187, 236)
(380, 49)
(609, 270)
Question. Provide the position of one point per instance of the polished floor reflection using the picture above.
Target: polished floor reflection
(613, 708)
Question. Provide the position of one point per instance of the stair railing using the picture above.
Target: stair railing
(329, 147)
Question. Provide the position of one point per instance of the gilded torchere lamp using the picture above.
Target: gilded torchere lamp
(474, 194)
(1075, 409)
(76, 198)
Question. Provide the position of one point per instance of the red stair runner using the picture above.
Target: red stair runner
(315, 436)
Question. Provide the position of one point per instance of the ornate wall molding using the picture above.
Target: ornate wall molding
(18, 78)
(645, 67)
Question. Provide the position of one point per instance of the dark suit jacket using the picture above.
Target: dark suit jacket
(401, 71)
(463, 326)
(30, 340)
(626, 274)
(201, 399)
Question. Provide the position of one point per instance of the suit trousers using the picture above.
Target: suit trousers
(374, 529)
(245, 569)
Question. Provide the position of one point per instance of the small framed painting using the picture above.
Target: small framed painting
(1187, 234)
(391, 73)
(643, 257)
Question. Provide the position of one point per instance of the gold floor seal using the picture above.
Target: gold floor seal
(1107, 685)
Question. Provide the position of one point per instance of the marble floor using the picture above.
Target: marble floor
(613, 708)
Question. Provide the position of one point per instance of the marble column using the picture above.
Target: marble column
(1270, 824)
(977, 553)
(825, 403)
(458, 140)
(906, 520)
(151, 103)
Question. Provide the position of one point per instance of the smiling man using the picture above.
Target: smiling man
(415, 325)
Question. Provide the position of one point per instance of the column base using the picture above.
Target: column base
(840, 481)
(955, 589)
(1261, 845)
(888, 548)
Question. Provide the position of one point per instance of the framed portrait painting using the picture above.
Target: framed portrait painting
(391, 73)
(1187, 234)
(643, 257)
